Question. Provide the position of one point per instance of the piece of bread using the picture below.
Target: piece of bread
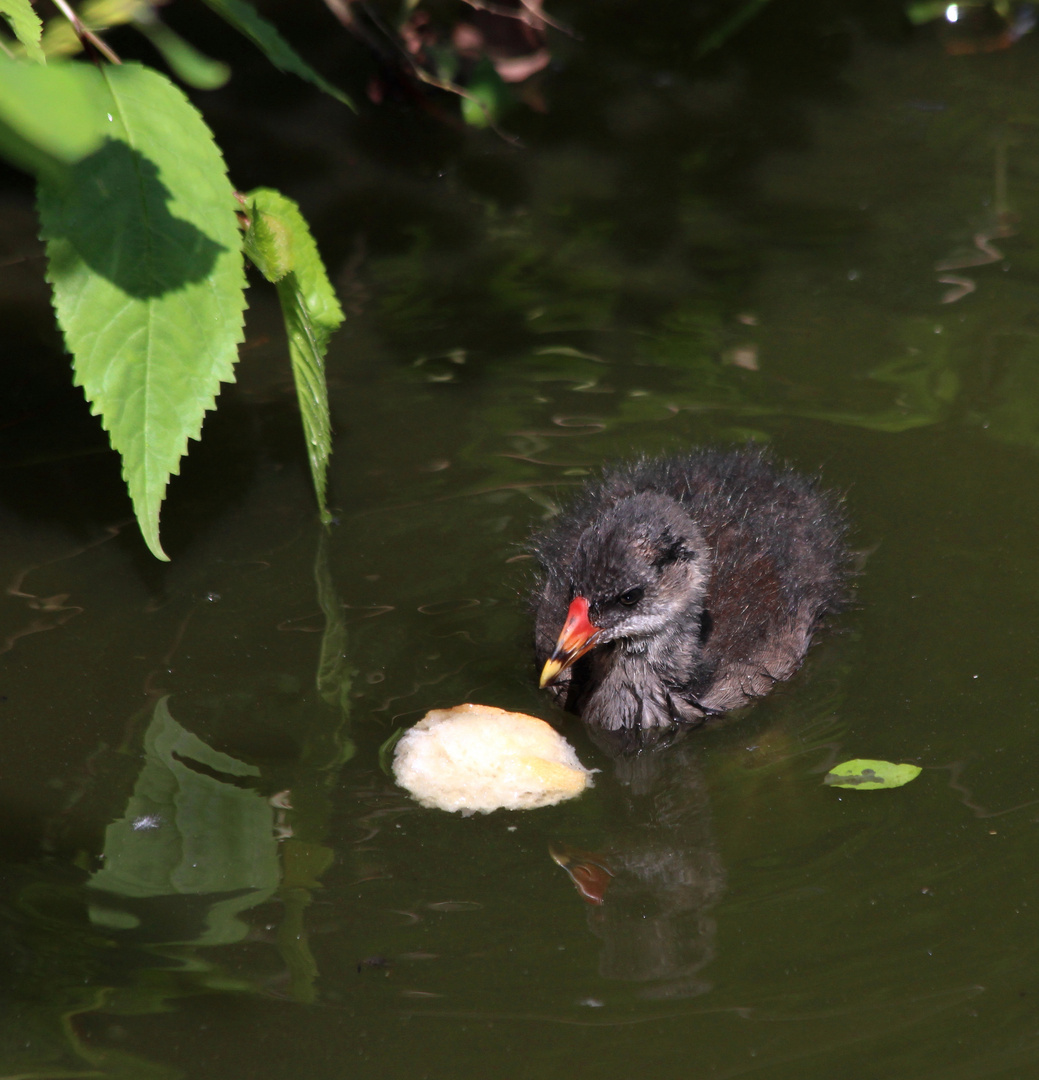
(479, 758)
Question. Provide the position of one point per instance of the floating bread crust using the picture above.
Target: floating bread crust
(479, 758)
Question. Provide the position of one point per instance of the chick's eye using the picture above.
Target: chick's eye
(631, 597)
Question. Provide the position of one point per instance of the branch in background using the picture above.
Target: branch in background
(529, 12)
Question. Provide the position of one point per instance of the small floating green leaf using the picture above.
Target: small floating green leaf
(867, 775)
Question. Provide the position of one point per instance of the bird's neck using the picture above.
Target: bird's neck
(673, 654)
(639, 680)
(639, 688)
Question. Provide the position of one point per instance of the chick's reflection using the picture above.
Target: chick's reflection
(652, 888)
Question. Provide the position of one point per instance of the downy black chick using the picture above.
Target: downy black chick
(679, 588)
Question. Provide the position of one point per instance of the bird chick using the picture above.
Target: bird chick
(679, 588)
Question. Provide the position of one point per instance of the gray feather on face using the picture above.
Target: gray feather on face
(705, 577)
(642, 567)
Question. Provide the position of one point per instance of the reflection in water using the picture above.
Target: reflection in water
(655, 886)
(200, 849)
(985, 252)
(589, 872)
(193, 848)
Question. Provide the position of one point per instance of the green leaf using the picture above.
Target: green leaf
(145, 262)
(488, 96)
(184, 60)
(268, 239)
(264, 35)
(279, 242)
(26, 26)
(48, 115)
(868, 775)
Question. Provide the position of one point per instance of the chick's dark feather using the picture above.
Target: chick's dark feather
(735, 561)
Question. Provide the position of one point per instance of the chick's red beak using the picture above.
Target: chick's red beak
(575, 639)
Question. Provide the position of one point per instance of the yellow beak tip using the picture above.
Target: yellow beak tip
(548, 673)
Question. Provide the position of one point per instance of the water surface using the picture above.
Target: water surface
(206, 870)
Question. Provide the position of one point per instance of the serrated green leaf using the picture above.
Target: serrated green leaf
(307, 352)
(268, 239)
(282, 237)
(47, 114)
(279, 242)
(868, 775)
(265, 36)
(26, 25)
(145, 262)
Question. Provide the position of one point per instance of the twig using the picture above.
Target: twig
(84, 34)
(341, 10)
(530, 14)
(451, 88)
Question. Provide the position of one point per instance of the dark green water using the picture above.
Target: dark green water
(519, 316)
